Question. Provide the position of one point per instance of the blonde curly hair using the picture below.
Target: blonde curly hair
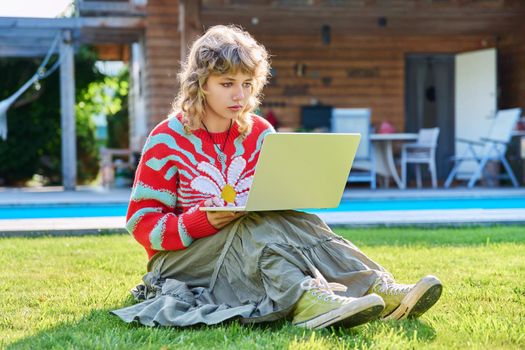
(221, 50)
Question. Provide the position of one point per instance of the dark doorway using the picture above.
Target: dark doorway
(429, 101)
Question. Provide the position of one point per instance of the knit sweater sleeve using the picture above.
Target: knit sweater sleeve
(151, 217)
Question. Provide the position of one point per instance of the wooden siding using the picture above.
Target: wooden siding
(401, 17)
(162, 40)
(353, 71)
(512, 71)
(358, 68)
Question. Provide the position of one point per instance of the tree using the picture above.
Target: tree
(33, 145)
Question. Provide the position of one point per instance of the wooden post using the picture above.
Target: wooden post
(67, 108)
(189, 24)
(138, 123)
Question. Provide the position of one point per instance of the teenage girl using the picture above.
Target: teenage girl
(208, 267)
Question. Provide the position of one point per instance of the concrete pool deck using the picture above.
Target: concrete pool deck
(94, 225)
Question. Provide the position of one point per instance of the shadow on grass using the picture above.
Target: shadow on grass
(449, 236)
(99, 329)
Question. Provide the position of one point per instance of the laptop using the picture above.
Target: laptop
(300, 171)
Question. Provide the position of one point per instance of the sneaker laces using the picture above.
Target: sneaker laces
(321, 288)
(387, 285)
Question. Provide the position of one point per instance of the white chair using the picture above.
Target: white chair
(490, 148)
(423, 151)
(357, 120)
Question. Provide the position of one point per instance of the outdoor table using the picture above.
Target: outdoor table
(384, 153)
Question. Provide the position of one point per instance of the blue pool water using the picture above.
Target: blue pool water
(353, 205)
(61, 211)
(430, 203)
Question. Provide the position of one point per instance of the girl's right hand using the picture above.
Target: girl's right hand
(219, 219)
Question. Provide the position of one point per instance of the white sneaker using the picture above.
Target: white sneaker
(407, 300)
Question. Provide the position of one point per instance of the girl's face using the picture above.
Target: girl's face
(227, 96)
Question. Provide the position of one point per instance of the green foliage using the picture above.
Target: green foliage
(118, 122)
(33, 145)
(64, 288)
(109, 96)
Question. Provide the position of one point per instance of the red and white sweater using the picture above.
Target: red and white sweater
(178, 172)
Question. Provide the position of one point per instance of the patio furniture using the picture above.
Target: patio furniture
(423, 151)
(112, 160)
(357, 120)
(490, 148)
(384, 154)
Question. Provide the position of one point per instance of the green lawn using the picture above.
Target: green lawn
(56, 293)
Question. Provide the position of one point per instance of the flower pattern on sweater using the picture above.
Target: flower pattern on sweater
(232, 189)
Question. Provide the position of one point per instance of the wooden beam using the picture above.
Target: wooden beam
(101, 36)
(108, 7)
(26, 43)
(139, 3)
(16, 33)
(67, 108)
(34, 23)
(189, 24)
(13, 51)
(112, 22)
(7, 23)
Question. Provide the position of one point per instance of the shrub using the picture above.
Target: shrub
(33, 145)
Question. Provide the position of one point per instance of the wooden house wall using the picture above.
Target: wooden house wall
(350, 72)
(512, 71)
(353, 71)
(162, 39)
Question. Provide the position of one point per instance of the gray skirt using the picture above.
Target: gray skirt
(251, 270)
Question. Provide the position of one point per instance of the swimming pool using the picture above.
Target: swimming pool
(347, 205)
(430, 204)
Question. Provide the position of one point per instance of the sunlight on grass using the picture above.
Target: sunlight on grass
(56, 293)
